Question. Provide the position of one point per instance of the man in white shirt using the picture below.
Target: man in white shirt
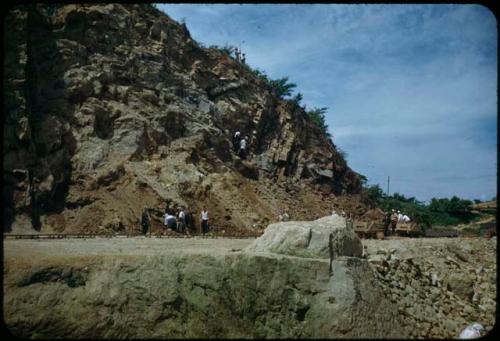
(400, 216)
(169, 221)
(204, 220)
(243, 149)
(406, 218)
(182, 220)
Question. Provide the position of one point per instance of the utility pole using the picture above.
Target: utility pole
(388, 182)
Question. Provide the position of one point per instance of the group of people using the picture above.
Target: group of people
(396, 217)
(402, 217)
(241, 145)
(240, 57)
(178, 219)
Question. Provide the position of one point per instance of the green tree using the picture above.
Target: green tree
(364, 179)
(259, 73)
(281, 87)
(317, 115)
(372, 195)
(297, 98)
(455, 205)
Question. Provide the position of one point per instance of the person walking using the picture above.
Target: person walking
(204, 220)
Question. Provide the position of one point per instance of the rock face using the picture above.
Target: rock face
(245, 294)
(327, 237)
(112, 107)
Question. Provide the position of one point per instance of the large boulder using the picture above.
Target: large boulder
(327, 237)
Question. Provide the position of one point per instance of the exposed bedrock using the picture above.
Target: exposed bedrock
(244, 293)
(113, 107)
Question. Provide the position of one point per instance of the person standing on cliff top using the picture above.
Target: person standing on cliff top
(204, 220)
(237, 53)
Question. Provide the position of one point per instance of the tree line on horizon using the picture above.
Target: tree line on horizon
(438, 212)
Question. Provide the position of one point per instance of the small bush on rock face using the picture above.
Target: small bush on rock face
(297, 98)
(317, 115)
(227, 49)
(281, 87)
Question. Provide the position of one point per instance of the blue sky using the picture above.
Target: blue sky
(411, 89)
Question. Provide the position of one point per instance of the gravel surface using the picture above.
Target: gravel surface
(119, 246)
(440, 285)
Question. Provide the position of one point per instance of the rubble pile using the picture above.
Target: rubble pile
(439, 285)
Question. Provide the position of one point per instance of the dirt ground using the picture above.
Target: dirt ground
(26, 248)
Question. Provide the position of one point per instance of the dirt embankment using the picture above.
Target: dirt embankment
(149, 286)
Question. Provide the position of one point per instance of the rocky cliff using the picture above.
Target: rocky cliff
(110, 108)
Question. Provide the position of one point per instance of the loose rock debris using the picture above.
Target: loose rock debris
(439, 285)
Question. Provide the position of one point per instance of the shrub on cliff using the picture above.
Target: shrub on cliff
(281, 87)
(227, 49)
(317, 115)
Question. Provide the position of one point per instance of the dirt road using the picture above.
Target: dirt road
(26, 248)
